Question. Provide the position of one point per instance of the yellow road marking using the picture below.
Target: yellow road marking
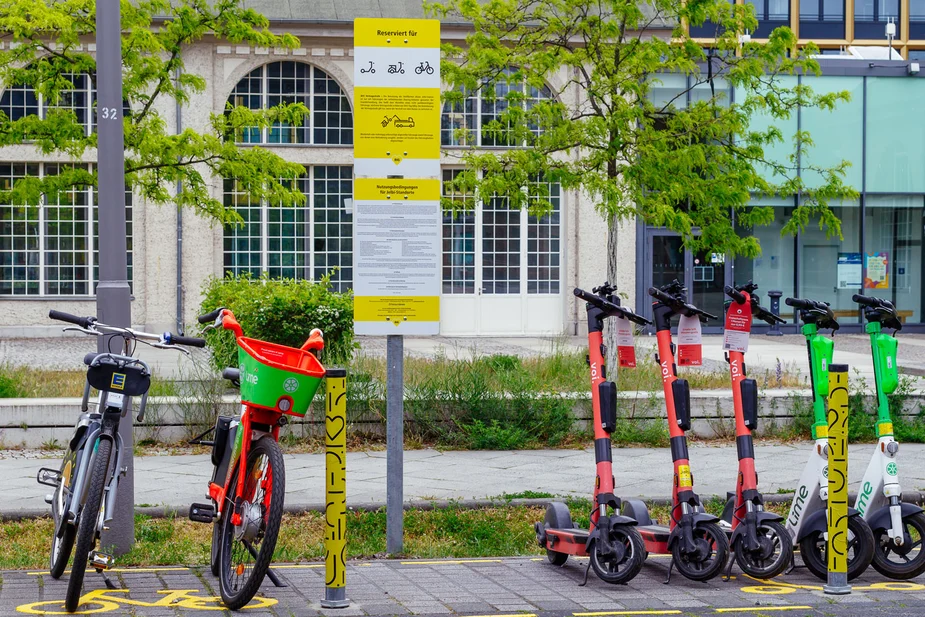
(456, 562)
(297, 566)
(763, 608)
(601, 614)
(171, 569)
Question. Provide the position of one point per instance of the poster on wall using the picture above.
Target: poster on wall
(849, 271)
(878, 271)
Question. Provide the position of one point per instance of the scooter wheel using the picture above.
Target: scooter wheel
(906, 561)
(860, 549)
(619, 571)
(709, 558)
(772, 558)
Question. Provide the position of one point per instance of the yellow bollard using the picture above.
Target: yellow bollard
(837, 417)
(335, 512)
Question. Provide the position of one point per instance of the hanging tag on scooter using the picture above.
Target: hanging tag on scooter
(626, 349)
(738, 325)
(690, 337)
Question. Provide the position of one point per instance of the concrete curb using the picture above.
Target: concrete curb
(913, 497)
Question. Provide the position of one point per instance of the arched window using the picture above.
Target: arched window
(329, 121)
(465, 122)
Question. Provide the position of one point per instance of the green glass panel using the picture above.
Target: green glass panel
(895, 135)
(779, 152)
(837, 135)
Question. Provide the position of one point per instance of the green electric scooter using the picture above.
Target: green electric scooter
(898, 527)
(806, 520)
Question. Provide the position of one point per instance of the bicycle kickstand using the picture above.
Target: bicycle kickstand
(270, 573)
(107, 580)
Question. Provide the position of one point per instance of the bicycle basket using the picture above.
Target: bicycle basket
(279, 378)
(128, 380)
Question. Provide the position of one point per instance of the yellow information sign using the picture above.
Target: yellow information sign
(397, 216)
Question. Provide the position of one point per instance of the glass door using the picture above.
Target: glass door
(708, 276)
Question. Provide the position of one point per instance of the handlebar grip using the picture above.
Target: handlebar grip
(191, 341)
(210, 317)
(83, 322)
(736, 295)
(708, 315)
(865, 300)
(661, 296)
(588, 297)
(231, 374)
(799, 303)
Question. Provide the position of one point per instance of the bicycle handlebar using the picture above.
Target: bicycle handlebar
(736, 295)
(610, 307)
(678, 305)
(83, 322)
(210, 317)
(175, 339)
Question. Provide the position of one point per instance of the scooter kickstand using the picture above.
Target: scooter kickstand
(727, 575)
(670, 567)
(793, 564)
(587, 568)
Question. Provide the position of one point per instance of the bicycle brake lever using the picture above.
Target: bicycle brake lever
(79, 329)
(165, 346)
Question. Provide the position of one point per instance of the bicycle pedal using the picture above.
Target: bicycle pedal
(101, 561)
(202, 512)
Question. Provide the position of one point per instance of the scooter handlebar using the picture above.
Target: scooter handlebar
(610, 308)
(678, 305)
(867, 300)
(765, 315)
(736, 295)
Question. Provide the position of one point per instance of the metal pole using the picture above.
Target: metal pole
(394, 500)
(775, 295)
(838, 481)
(113, 297)
(335, 515)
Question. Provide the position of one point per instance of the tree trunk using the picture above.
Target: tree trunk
(610, 330)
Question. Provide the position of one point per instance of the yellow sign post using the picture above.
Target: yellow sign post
(335, 512)
(838, 481)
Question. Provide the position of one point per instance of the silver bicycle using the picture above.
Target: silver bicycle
(87, 483)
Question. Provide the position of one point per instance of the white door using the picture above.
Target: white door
(502, 271)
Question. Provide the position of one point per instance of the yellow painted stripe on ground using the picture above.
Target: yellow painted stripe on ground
(763, 608)
(297, 566)
(448, 563)
(171, 569)
(602, 613)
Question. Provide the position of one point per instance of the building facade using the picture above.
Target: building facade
(504, 272)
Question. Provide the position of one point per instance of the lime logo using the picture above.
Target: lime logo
(825, 471)
(291, 385)
(892, 469)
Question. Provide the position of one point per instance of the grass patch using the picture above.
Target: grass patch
(452, 532)
(27, 382)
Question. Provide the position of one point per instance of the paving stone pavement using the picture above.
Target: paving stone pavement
(177, 481)
(486, 587)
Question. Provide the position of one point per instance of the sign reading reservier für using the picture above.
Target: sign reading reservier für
(397, 217)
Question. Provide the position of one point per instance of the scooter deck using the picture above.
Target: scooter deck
(569, 541)
(655, 538)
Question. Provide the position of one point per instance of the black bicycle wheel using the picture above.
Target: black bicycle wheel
(906, 561)
(710, 556)
(773, 556)
(214, 557)
(619, 570)
(860, 550)
(247, 547)
(62, 542)
(86, 525)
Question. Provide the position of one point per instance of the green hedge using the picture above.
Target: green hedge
(282, 311)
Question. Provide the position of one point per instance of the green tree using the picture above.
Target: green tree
(48, 51)
(674, 165)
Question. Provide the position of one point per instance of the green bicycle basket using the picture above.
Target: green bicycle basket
(278, 378)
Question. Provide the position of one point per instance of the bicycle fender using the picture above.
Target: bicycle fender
(818, 522)
(881, 518)
(760, 517)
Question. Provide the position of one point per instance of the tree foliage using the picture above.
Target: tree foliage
(675, 165)
(48, 49)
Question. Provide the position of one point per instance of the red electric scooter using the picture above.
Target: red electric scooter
(614, 546)
(761, 544)
(697, 544)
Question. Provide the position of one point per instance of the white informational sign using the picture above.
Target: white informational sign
(690, 337)
(626, 347)
(848, 271)
(397, 219)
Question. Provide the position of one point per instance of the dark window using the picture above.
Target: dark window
(822, 19)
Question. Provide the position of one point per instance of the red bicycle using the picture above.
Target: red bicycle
(248, 482)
